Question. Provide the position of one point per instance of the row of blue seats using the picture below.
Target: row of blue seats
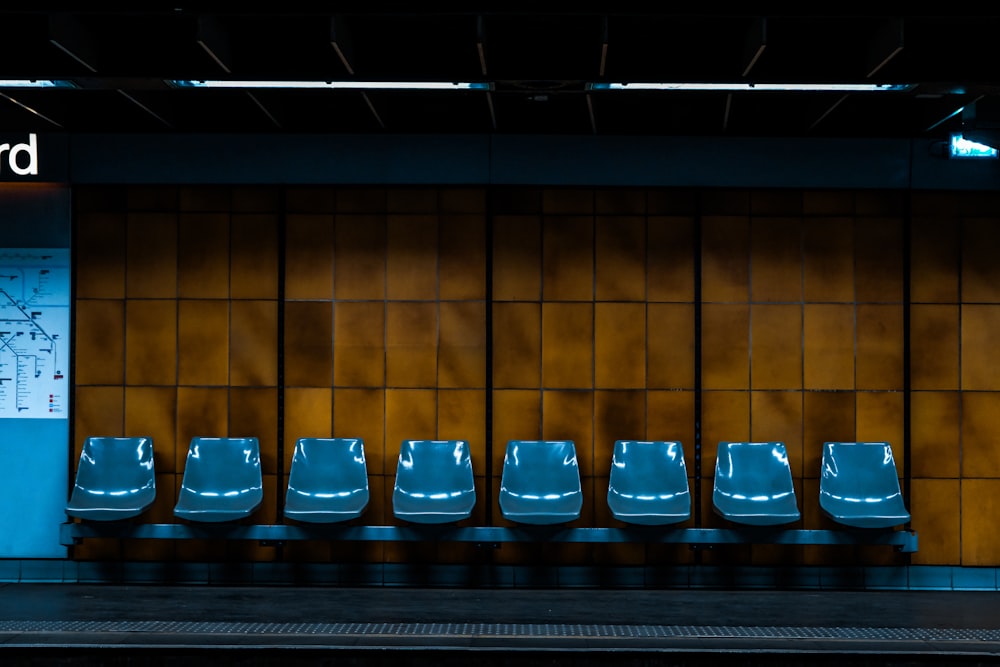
(540, 482)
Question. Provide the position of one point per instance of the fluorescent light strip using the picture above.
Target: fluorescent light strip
(36, 83)
(334, 85)
(755, 87)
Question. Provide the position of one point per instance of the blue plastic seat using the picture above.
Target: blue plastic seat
(222, 480)
(327, 481)
(649, 484)
(115, 479)
(540, 482)
(753, 484)
(434, 482)
(859, 485)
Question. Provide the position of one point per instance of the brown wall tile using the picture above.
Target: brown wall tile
(462, 199)
(362, 199)
(828, 202)
(569, 415)
(980, 434)
(618, 415)
(361, 413)
(203, 256)
(777, 416)
(310, 199)
(411, 344)
(979, 326)
(567, 345)
(308, 343)
(672, 201)
(828, 356)
(309, 256)
(775, 259)
(361, 252)
(517, 415)
(359, 344)
(152, 198)
(98, 412)
(879, 360)
(878, 260)
(202, 342)
(253, 343)
(201, 412)
(253, 412)
(670, 259)
(980, 538)
(725, 263)
(254, 256)
(461, 415)
(781, 201)
(151, 256)
(776, 350)
(934, 260)
(462, 257)
(568, 258)
(410, 414)
(308, 414)
(567, 200)
(517, 344)
(670, 345)
(412, 257)
(100, 339)
(100, 255)
(152, 412)
(935, 433)
(204, 198)
(462, 347)
(411, 200)
(620, 258)
(828, 416)
(620, 345)
(255, 198)
(725, 416)
(517, 258)
(150, 342)
(936, 510)
(980, 275)
(880, 419)
(934, 350)
(725, 347)
(620, 201)
(828, 259)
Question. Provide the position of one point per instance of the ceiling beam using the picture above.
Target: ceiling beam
(68, 34)
(885, 44)
(214, 39)
(481, 42)
(340, 40)
(145, 108)
(756, 42)
(604, 47)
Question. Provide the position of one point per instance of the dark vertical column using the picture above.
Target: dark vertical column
(280, 497)
(907, 257)
(488, 486)
(697, 364)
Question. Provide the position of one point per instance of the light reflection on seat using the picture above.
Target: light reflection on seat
(648, 483)
(222, 480)
(327, 480)
(434, 481)
(753, 484)
(115, 479)
(540, 482)
(859, 485)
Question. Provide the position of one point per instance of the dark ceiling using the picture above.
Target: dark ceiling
(539, 62)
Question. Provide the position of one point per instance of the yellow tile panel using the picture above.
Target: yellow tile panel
(776, 349)
(620, 201)
(828, 416)
(936, 516)
(778, 416)
(411, 344)
(100, 341)
(980, 537)
(412, 257)
(411, 200)
(100, 255)
(410, 414)
(360, 413)
(462, 256)
(880, 419)
(934, 350)
(517, 258)
(308, 343)
(202, 342)
(725, 346)
(828, 259)
(670, 345)
(462, 416)
(151, 256)
(618, 415)
(253, 413)
(310, 199)
(462, 347)
(828, 202)
(725, 258)
(980, 434)
(934, 260)
(253, 343)
(670, 265)
(620, 345)
(670, 416)
(517, 415)
(935, 433)
(878, 261)
(150, 342)
(205, 198)
(256, 198)
(517, 345)
(725, 416)
(828, 354)
(569, 415)
(980, 274)
(362, 199)
(776, 259)
(152, 198)
(568, 258)
(568, 200)
(98, 412)
(203, 256)
(152, 412)
(620, 258)
(461, 199)
(254, 262)
(567, 345)
(359, 344)
(360, 256)
(880, 343)
(201, 412)
(979, 326)
(308, 414)
(309, 256)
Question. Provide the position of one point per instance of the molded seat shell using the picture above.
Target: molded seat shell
(753, 484)
(859, 485)
(327, 481)
(540, 483)
(649, 484)
(115, 479)
(222, 480)
(434, 482)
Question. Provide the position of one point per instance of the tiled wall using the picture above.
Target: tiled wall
(596, 308)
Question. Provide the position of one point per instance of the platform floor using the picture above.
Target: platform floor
(42, 624)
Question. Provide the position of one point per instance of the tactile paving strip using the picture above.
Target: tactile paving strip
(499, 630)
